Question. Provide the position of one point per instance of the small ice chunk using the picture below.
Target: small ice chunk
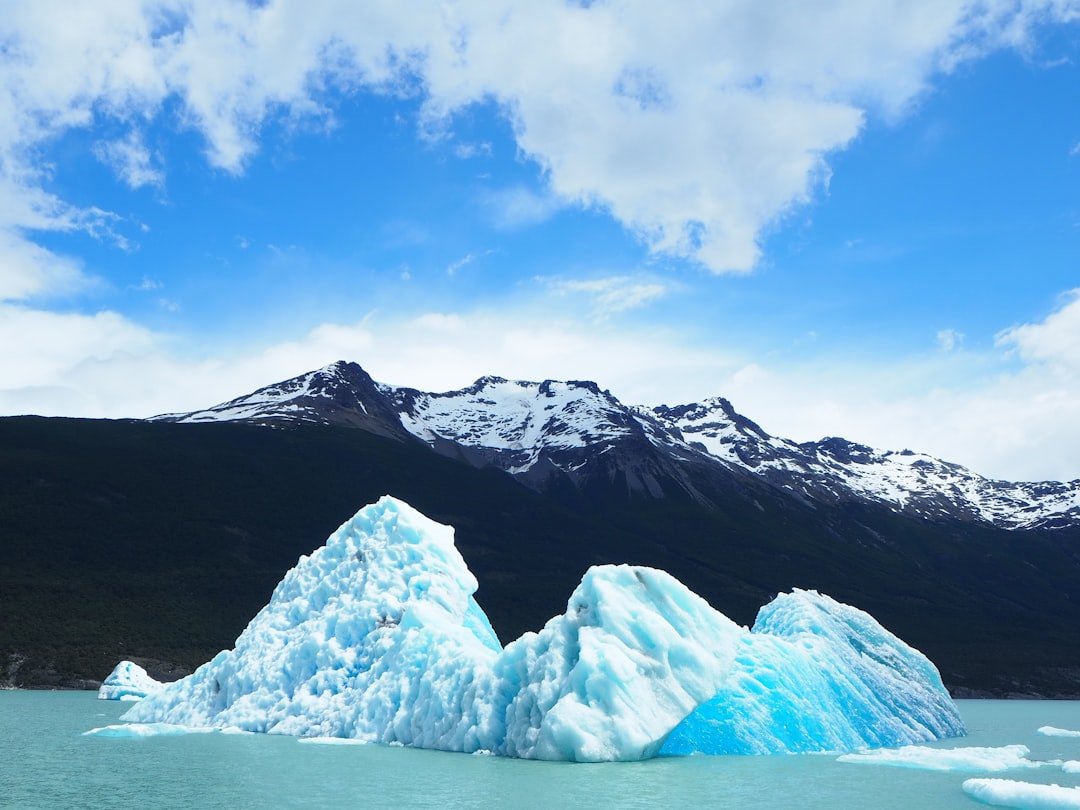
(1071, 766)
(138, 730)
(1051, 731)
(128, 681)
(1024, 795)
(332, 741)
(989, 760)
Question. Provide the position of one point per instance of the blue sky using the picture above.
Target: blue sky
(877, 238)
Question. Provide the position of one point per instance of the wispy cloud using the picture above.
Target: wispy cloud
(465, 151)
(519, 207)
(613, 294)
(130, 160)
(147, 284)
(949, 339)
(464, 261)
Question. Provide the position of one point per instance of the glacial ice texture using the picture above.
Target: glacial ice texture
(817, 675)
(377, 637)
(127, 681)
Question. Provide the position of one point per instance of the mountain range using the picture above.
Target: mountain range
(156, 540)
(548, 434)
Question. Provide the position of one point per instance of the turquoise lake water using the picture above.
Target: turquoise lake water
(45, 762)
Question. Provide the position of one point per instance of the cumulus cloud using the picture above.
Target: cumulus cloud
(1054, 342)
(695, 129)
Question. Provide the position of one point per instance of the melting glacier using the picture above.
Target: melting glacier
(377, 637)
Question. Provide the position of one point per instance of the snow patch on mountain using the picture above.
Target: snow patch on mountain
(521, 420)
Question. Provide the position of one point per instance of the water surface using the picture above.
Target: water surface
(45, 762)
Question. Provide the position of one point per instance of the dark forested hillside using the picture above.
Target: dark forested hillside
(160, 541)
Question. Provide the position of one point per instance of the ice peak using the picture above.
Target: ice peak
(391, 553)
(128, 681)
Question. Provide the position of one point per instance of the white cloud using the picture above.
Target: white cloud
(1053, 342)
(1002, 421)
(949, 339)
(613, 294)
(130, 160)
(465, 151)
(27, 270)
(466, 260)
(519, 207)
(53, 345)
(695, 129)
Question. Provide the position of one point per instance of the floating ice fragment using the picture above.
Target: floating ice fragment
(990, 760)
(1051, 731)
(1071, 766)
(127, 681)
(1024, 795)
(139, 730)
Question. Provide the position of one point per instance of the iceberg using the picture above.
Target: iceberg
(1009, 793)
(377, 637)
(127, 681)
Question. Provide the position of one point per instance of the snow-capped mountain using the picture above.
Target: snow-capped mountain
(835, 469)
(340, 394)
(545, 432)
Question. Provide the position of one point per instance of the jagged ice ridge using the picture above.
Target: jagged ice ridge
(377, 636)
